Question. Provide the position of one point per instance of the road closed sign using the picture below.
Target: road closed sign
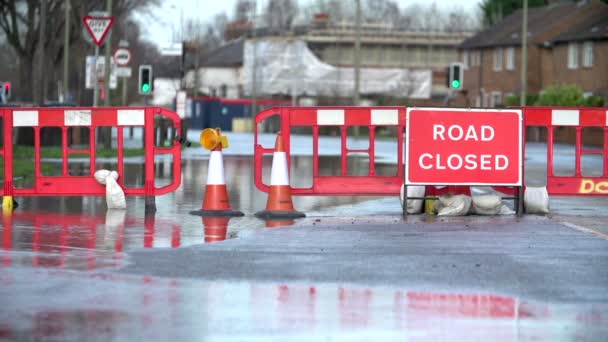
(451, 146)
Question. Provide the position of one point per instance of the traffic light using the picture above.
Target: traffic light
(455, 76)
(145, 80)
(6, 88)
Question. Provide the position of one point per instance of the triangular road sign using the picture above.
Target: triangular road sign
(98, 27)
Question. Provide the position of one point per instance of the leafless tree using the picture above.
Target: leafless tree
(20, 24)
(280, 14)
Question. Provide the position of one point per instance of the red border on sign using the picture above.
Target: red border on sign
(519, 114)
(103, 36)
(128, 61)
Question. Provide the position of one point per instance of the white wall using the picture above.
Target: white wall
(215, 78)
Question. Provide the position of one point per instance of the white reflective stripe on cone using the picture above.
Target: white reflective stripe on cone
(215, 175)
(279, 174)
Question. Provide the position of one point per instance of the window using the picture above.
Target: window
(572, 55)
(496, 99)
(510, 58)
(465, 59)
(223, 91)
(498, 59)
(477, 58)
(588, 54)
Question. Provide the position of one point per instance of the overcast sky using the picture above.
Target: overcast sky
(165, 20)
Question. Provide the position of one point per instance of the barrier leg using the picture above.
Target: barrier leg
(7, 203)
(519, 201)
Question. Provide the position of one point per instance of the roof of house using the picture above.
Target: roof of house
(227, 55)
(544, 24)
(593, 29)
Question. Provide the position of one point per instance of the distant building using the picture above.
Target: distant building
(382, 48)
(221, 72)
(567, 43)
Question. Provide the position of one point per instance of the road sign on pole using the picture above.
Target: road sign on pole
(122, 56)
(98, 27)
(452, 146)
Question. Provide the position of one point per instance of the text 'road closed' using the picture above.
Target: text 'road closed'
(455, 146)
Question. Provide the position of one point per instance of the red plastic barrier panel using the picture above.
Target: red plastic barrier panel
(593, 182)
(340, 118)
(67, 119)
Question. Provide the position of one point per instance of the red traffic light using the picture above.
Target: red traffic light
(7, 85)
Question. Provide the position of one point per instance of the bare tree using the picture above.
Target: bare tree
(243, 10)
(280, 14)
(20, 23)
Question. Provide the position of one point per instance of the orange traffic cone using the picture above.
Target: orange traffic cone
(279, 203)
(279, 223)
(216, 202)
(216, 228)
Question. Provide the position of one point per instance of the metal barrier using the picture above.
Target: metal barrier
(579, 119)
(343, 117)
(92, 118)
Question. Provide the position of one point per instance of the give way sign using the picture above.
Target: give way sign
(98, 27)
(452, 146)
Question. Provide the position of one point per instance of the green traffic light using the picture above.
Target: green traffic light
(455, 84)
(145, 88)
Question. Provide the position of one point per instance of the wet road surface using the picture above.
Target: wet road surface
(353, 270)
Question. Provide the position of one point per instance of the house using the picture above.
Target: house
(221, 71)
(580, 56)
(566, 44)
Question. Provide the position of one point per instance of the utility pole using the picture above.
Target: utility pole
(40, 72)
(524, 54)
(66, 50)
(357, 52)
(108, 63)
(254, 63)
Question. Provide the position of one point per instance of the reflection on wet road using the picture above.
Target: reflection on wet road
(78, 233)
(60, 257)
(110, 306)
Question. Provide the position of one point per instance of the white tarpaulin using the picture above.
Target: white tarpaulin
(288, 67)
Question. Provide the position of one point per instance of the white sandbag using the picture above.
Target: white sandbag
(413, 206)
(115, 197)
(453, 205)
(489, 205)
(115, 218)
(536, 200)
(486, 204)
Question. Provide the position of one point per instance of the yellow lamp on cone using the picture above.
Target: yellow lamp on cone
(212, 137)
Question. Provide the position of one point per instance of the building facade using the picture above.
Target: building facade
(567, 44)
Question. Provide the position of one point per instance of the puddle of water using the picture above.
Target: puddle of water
(118, 307)
(62, 228)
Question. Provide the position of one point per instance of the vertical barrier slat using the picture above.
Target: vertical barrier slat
(64, 148)
(372, 150)
(149, 131)
(578, 154)
(120, 156)
(343, 152)
(550, 151)
(37, 154)
(92, 150)
(605, 155)
(315, 152)
(8, 153)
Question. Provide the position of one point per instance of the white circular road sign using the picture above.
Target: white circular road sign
(122, 56)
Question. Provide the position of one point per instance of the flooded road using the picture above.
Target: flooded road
(352, 270)
(104, 307)
(79, 233)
